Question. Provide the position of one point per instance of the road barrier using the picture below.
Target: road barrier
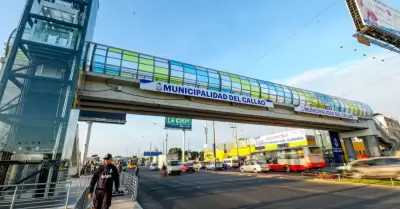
(33, 196)
(131, 182)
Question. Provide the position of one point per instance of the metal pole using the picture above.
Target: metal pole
(237, 142)
(206, 132)
(166, 142)
(183, 145)
(86, 146)
(66, 200)
(214, 150)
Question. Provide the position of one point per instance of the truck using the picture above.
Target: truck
(172, 163)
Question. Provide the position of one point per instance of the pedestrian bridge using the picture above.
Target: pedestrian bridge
(111, 81)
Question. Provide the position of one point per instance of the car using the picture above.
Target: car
(254, 166)
(374, 168)
(153, 167)
(199, 165)
(214, 166)
(186, 167)
(174, 167)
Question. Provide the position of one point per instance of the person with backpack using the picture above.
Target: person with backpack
(104, 177)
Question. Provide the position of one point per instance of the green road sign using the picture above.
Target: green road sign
(178, 123)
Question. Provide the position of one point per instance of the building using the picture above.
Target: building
(38, 76)
(391, 125)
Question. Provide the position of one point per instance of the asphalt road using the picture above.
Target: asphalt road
(240, 191)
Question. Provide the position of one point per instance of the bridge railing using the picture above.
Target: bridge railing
(29, 196)
(130, 180)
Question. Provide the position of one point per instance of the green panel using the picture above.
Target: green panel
(160, 70)
(255, 88)
(146, 68)
(264, 96)
(236, 80)
(245, 82)
(246, 87)
(255, 94)
(130, 58)
(146, 61)
(176, 80)
(314, 102)
(223, 73)
(115, 50)
(126, 75)
(131, 53)
(159, 77)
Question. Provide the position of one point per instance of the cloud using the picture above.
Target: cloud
(369, 80)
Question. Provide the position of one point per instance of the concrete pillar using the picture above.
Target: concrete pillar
(86, 145)
(348, 144)
(371, 146)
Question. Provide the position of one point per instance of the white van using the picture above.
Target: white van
(173, 167)
(231, 163)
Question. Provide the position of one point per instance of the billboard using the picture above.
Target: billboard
(376, 23)
(102, 117)
(178, 123)
(336, 147)
(378, 14)
(282, 138)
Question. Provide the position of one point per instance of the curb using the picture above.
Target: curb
(352, 183)
(136, 205)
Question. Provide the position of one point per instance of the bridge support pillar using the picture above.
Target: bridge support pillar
(87, 140)
(348, 144)
(371, 146)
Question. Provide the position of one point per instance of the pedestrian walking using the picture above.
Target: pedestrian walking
(104, 177)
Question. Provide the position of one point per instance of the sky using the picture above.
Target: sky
(242, 38)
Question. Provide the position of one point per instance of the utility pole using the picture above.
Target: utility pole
(214, 150)
(183, 145)
(166, 141)
(236, 138)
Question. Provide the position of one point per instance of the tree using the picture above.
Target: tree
(176, 150)
(201, 156)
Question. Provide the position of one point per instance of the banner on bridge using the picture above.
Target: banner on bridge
(203, 93)
(330, 113)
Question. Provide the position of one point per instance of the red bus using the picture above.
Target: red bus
(292, 159)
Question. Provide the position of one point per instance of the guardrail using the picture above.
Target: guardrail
(130, 180)
(27, 196)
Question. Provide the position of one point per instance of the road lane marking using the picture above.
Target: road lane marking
(298, 189)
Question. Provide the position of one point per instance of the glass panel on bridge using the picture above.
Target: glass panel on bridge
(119, 62)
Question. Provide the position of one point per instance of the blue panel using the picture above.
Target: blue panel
(189, 70)
(202, 79)
(201, 72)
(214, 80)
(175, 63)
(98, 67)
(112, 70)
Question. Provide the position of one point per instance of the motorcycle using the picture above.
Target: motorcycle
(164, 173)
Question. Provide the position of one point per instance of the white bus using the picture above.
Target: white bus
(231, 163)
(292, 159)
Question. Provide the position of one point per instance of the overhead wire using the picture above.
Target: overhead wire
(300, 29)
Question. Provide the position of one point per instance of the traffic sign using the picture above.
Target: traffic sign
(178, 123)
(146, 154)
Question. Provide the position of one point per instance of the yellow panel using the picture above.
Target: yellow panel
(271, 147)
(298, 143)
